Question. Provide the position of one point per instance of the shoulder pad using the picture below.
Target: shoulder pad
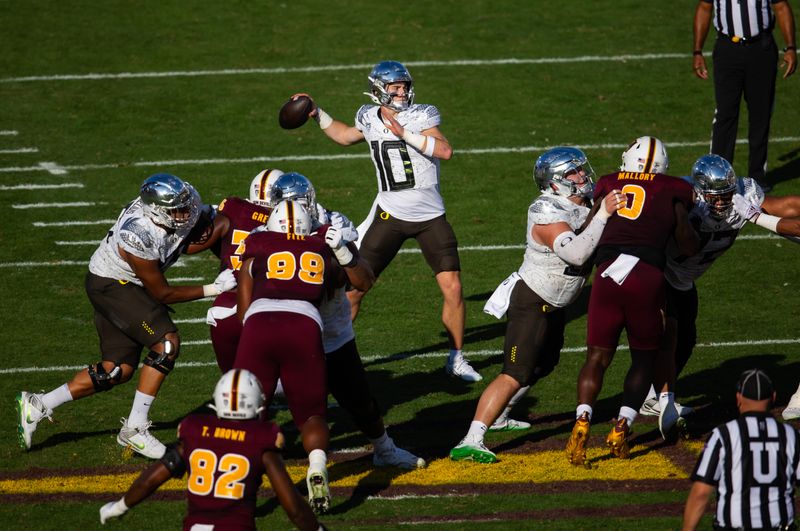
(422, 116)
(362, 120)
(550, 209)
(134, 235)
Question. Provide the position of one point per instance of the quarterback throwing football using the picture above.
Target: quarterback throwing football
(406, 146)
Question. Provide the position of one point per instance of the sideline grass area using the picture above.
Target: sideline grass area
(609, 73)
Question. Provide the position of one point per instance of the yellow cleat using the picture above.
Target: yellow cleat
(576, 445)
(617, 440)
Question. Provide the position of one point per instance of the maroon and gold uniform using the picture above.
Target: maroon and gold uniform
(225, 466)
(226, 329)
(282, 335)
(641, 229)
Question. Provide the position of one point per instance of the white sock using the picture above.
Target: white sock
(382, 444)
(455, 353)
(141, 409)
(628, 414)
(665, 399)
(583, 408)
(477, 430)
(56, 397)
(797, 393)
(317, 459)
(652, 393)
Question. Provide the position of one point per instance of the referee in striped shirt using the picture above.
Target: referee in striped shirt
(745, 62)
(752, 462)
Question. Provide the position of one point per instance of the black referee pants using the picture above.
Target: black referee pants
(749, 70)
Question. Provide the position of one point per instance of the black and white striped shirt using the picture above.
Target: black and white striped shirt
(743, 18)
(754, 462)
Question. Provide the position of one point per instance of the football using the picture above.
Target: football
(294, 113)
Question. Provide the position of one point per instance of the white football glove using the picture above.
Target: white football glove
(225, 281)
(349, 232)
(335, 240)
(745, 208)
(113, 510)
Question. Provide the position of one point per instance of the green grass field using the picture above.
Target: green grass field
(94, 97)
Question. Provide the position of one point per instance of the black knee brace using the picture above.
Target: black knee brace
(103, 380)
(174, 462)
(164, 361)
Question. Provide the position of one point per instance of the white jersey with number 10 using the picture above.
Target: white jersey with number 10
(408, 181)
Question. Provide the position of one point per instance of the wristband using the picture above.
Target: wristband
(210, 290)
(344, 256)
(697, 52)
(790, 47)
(768, 222)
(602, 214)
(429, 146)
(323, 119)
(414, 139)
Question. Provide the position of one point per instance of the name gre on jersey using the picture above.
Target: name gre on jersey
(136, 234)
(408, 181)
(553, 279)
(716, 237)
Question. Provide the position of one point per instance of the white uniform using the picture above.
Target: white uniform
(138, 235)
(550, 277)
(408, 181)
(716, 237)
(337, 327)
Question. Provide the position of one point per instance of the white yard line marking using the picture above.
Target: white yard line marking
(365, 66)
(41, 186)
(197, 320)
(186, 279)
(183, 263)
(346, 156)
(53, 168)
(55, 205)
(60, 263)
(376, 357)
(73, 223)
(88, 242)
(19, 150)
(8, 133)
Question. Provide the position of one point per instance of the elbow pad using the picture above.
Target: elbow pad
(575, 249)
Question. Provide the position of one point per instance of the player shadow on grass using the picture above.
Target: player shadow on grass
(789, 171)
(75, 436)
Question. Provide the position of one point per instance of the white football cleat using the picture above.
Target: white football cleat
(30, 410)
(140, 440)
(460, 368)
(792, 410)
(319, 493)
(509, 424)
(399, 458)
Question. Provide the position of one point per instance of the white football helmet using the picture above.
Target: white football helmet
(290, 217)
(553, 168)
(715, 182)
(385, 73)
(170, 202)
(261, 185)
(238, 395)
(646, 154)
